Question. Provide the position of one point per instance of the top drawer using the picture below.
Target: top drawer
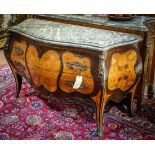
(76, 64)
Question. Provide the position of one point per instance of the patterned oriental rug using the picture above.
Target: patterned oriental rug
(30, 117)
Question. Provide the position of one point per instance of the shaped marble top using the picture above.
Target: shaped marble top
(72, 35)
(137, 23)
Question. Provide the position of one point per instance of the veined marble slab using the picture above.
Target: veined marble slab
(72, 35)
(137, 23)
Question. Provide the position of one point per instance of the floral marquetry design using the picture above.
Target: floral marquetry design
(122, 73)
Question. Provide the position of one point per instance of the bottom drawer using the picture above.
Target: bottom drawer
(67, 81)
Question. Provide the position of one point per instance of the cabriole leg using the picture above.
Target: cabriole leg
(97, 100)
(130, 104)
(101, 102)
(18, 80)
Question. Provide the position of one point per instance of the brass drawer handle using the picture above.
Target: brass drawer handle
(76, 66)
(19, 51)
(70, 83)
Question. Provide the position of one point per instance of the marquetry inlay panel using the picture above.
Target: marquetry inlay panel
(122, 72)
(18, 57)
(45, 70)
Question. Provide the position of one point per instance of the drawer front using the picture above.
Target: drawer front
(76, 64)
(51, 68)
(44, 70)
(67, 81)
(18, 57)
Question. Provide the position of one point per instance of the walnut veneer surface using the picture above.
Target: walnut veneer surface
(51, 55)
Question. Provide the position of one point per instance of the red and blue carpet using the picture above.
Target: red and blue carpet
(30, 117)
